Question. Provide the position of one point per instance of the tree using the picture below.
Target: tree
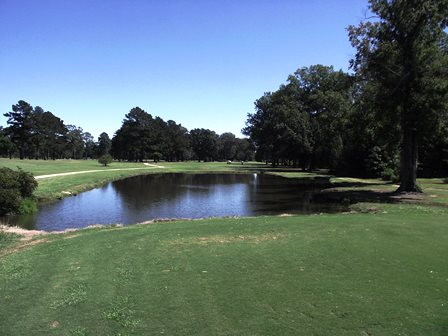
(104, 144)
(204, 144)
(403, 54)
(105, 159)
(303, 121)
(53, 132)
(6, 146)
(326, 96)
(90, 145)
(134, 139)
(177, 141)
(260, 129)
(244, 150)
(20, 126)
(227, 146)
(75, 141)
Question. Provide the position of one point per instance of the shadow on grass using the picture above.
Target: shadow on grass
(356, 196)
(360, 184)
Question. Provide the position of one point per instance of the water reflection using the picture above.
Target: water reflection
(143, 198)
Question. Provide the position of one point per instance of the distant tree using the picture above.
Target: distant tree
(280, 128)
(90, 146)
(54, 135)
(227, 145)
(75, 141)
(326, 97)
(20, 126)
(157, 139)
(104, 144)
(204, 144)
(105, 159)
(244, 150)
(177, 142)
(260, 128)
(403, 54)
(131, 142)
(7, 148)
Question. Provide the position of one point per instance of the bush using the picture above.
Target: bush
(105, 159)
(15, 186)
(27, 206)
(27, 183)
(389, 174)
(9, 201)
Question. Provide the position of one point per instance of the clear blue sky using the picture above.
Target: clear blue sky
(201, 63)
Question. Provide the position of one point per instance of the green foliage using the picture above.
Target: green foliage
(105, 159)
(9, 200)
(27, 183)
(27, 206)
(14, 187)
(104, 144)
(302, 122)
(204, 144)
(389, 174)
(403, 56)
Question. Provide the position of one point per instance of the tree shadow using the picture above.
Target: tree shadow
(369, 196)
(359, 184)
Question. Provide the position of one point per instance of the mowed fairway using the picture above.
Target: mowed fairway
(346, 274)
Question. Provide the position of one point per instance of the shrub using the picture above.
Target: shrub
(9, 200)
(15, 186)
(27, 183)
(389, 174)
(27, 206)
(105, 159)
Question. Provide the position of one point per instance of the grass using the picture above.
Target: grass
(346, 274)
(7, 240)
(44, 167)
(380, 270)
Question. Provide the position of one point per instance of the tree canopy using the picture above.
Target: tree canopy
(402, 53)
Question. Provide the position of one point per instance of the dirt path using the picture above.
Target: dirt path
(39, 177)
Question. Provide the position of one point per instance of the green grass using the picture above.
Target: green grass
(44, 167)
(381, 270)
(345, 274)
(7, 240)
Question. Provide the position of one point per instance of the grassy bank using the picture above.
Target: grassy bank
(382, 273)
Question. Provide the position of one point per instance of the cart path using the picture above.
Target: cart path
(40, 177)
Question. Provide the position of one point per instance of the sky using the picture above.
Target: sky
(201, 63)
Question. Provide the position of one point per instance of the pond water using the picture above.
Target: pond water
(142, 198)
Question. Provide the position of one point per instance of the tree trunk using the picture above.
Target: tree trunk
(408, 162)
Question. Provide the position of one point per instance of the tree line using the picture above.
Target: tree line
(387, 117)
(37, 134)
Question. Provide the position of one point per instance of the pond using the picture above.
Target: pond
(168, 196)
